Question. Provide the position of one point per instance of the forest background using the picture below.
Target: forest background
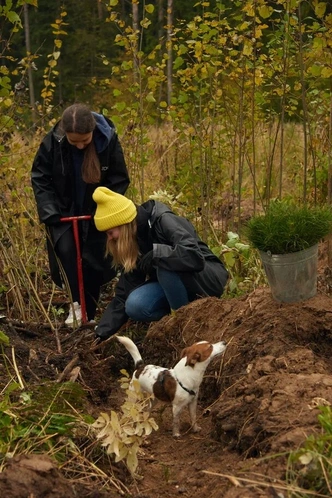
(220, 107)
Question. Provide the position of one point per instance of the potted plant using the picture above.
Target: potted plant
(287, 237)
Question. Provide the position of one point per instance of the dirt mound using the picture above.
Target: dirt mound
(274, 373)
(260, 399)
(29, 476)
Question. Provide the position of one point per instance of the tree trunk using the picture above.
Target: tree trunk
(160, 19)
(135, 46)
(169, 49)
(100, 9)
(329, 181)
(28, 51)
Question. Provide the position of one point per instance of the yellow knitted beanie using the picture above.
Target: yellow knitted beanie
(113, 209)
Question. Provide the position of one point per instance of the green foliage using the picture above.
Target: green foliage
(243, 264)
(48, 418)
(232, 70)
(310, 467)
(50, 71)
(10, 366)
(11, 19)
(287, 227)
(173, 201)
(4, 339)
(39, 420)
(122, 435)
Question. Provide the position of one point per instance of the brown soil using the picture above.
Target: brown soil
(257, 403)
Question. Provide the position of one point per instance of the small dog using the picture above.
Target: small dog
(179, 385)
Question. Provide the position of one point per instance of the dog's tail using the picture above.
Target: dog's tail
(132, 349)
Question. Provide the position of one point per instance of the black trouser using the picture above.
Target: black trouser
(65, 249)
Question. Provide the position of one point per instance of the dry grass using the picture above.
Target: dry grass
(173, 166)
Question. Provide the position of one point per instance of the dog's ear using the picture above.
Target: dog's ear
(192, 356)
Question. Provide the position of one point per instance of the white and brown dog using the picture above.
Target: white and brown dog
(179, 385)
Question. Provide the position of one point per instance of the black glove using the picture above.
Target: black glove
(145, 264)
(53, 221)
(98, 340)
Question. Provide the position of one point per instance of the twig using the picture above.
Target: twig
(20, 381)
(78, 338)
(27, 332)
(57, 340)
(104, 360)
(97, 343)
(19, 326)
(283, 487)
(68, 368)
(326, 476)
(74, 374)
(33, 373)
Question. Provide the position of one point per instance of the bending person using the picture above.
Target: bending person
(80, 153)
(164, 264)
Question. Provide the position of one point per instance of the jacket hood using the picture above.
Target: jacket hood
(102, 134)
(147, 214)
(155, 209)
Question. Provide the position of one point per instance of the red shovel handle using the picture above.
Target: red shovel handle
(77, 218)
(74, 220)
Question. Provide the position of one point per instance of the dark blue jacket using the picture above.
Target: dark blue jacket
(55, 181)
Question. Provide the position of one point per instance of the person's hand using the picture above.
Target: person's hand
(97, 340)
(53, 221)
(102, 333)
(145, 264)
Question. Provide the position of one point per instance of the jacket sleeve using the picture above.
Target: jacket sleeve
(176, 246)
(117, 177)
(42, 184)
(115, 315)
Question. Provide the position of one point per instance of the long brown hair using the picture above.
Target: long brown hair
(124, 250)
(78, 118)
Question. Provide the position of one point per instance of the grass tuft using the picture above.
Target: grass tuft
(310, 467)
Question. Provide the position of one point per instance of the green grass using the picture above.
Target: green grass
(310, 467)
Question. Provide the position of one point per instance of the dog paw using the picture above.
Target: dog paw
(176, 435)
(197, 428)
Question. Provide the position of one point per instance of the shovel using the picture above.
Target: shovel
(74, 220)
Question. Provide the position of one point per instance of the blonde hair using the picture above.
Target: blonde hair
(78, 118)
(124, 250)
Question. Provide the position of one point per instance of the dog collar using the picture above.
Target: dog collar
(190, 391)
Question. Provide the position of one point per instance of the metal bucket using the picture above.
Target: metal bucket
(292, 277)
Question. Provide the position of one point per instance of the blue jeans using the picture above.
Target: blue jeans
(153, 300)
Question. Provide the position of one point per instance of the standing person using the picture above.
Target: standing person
(81, 152)
(164, 264)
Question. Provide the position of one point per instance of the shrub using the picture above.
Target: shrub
(287, 227)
